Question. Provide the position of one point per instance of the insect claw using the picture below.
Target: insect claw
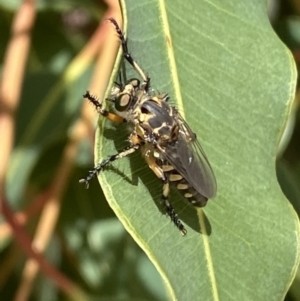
(183, 232)
(87, 184)
(86, 94)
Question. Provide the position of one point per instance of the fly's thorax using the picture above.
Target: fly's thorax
(156, 117)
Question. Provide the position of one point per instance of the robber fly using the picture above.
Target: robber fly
(167, 143)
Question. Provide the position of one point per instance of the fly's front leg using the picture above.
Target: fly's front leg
(104, 113)
(128, 56)
(123, 153)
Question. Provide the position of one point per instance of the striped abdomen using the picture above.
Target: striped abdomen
(194, 197)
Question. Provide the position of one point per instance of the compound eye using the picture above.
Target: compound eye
(123, 102)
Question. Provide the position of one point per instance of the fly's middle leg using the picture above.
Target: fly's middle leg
(123, 153)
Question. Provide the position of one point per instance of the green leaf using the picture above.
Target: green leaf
(234, 82)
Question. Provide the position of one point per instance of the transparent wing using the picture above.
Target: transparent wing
(188, 158)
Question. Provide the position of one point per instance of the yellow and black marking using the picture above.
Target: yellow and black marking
(184, 187)
(165, 140)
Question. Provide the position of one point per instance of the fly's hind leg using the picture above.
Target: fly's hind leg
(170, 211)
(169, 208)
(128, 57)
(123, 153)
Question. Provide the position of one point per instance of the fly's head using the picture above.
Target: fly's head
(125, 98)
